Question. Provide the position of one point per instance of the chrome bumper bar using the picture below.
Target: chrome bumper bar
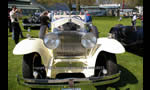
(61, 83)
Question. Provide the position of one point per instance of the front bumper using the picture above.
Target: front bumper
(64, 83)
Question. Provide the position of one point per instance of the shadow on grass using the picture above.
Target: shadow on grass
(35, 28)
(34, 37)
(126, 77)
(32, 28)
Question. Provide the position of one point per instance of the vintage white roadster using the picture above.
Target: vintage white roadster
(70, 55)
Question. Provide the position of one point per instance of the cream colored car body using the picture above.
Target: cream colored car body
(30, 45)
(36, 45)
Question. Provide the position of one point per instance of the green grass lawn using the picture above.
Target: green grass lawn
(130, 64)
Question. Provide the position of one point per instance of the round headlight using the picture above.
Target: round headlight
(89, 40)
(51, 40)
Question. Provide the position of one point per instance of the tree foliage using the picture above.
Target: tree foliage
(50, 2)
(68, 2)
(82, 2)
(127, 3)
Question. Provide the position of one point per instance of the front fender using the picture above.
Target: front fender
(27, 46)
(107, 45)
(110, 45)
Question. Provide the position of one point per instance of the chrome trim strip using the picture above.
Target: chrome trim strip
(47, 83)
(70, 57)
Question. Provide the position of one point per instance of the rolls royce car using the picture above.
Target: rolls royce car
(70, 56)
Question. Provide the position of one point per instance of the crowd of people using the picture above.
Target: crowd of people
(45, 18)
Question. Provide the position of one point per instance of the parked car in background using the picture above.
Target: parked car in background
(129, 37)
(33, 21)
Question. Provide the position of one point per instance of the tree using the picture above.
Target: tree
(87, 2)
(140, 3)
(133, 3)
(51, 2)
(77, 5)
(70, 4)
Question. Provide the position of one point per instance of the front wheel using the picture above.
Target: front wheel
(29, 64)
(107, 63)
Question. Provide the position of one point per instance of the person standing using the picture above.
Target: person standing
(120, 18)
(16, 30)
(134, 20)
(9, 23)
(44, 24)
(88, 18)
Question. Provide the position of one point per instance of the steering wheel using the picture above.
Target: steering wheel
(78, 17)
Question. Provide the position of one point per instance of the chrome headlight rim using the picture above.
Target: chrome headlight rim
(51, 40)
(88, 40)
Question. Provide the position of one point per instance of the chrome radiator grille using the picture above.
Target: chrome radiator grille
(70, 44)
